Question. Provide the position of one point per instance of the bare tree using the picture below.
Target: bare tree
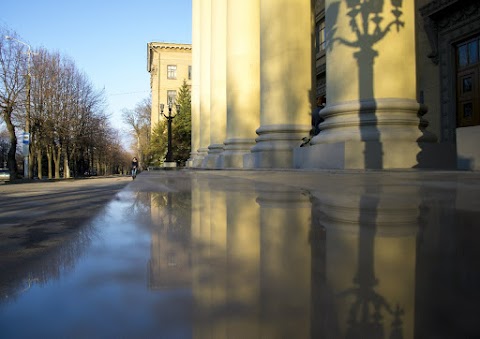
(70, 115)
(69, 129)
(4, 146)
(12, 84)
(139, 121)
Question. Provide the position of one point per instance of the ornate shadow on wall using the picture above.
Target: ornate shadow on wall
(366, 22)
(381, 118)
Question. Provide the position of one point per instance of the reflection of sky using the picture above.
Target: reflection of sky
(105, 295)
(269, 254)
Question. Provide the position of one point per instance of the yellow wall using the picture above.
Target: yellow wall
(160, 56)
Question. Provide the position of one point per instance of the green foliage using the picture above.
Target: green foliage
(181, 132)
(182, 126)
(158, 143)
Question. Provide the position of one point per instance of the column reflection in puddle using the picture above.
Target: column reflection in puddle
(285, 262)
(226, 258)
(369, 235)
(251, 260)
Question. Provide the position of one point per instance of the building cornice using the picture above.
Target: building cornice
(167, 45)
(158, 46)
(436, 6)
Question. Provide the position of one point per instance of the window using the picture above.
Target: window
(171, 97)
(468, 53)
(172, 71)
(320, 35)
(468, 83)
(189, 72)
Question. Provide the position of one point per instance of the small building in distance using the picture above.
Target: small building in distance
(169, 64)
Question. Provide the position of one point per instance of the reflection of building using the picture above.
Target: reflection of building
(169, 65)
(376, 69)
(170, 261)
(369, 253)
(379, 258)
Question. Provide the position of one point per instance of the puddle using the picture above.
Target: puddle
(199, 255)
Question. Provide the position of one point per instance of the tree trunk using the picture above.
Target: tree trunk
(49, 162)
(31, 154)
(39, 163)
(11, 161)
(66, 167)
(56, 160)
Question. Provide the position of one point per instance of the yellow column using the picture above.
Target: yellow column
(372, 115)
(218, 92)
(286, 80)
(205, 54)
(243, 79)
(193, 161)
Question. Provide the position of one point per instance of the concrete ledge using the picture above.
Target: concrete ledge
(468, 151)
(169, 164)
(375, 155)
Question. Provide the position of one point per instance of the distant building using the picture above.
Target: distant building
(169, 64)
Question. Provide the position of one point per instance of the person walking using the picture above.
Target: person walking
(134, 167)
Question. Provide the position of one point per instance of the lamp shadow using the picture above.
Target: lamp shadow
(369, 26)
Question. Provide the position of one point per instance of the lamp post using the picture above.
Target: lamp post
(169, 157)
(26, 135)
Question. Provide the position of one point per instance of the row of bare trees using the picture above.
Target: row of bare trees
(69, 130)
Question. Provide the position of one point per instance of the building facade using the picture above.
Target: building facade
(338, 84)
(448, 33)
(169, 65)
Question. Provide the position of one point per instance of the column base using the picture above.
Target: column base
(379, 119)
(275, 144)
(169, 164)
(237, 153)
(214, 158)
(191, 160)
(201, 154)
(376, 155)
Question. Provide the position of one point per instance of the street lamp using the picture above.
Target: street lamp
(26, 135)
(169, 157)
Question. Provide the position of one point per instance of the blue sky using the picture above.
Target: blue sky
(106, 39)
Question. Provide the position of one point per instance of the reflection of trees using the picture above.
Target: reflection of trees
(173, 216)
(63, 258)
(170, 262)
(139, 208)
